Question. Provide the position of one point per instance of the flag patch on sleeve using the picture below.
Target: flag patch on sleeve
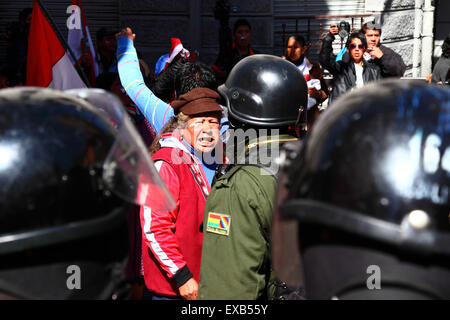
(218, 223)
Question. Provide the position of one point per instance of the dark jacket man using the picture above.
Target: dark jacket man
(391, 63)
(232, 52)
(442, 68)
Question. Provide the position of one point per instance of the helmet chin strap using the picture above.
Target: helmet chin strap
(234, 123)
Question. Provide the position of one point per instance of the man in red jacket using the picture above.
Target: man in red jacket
(172, 241)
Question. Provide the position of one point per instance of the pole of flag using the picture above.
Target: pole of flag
(63, 42)
(88, 46)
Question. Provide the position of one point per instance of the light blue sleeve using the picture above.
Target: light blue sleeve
(156, 111)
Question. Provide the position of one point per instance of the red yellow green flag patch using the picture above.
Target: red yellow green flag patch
(218, 223)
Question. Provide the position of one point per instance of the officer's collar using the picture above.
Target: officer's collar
(265, 140)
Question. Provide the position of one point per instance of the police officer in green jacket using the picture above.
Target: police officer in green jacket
(266, 98)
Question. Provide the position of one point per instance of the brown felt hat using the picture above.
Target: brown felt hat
(200, 100)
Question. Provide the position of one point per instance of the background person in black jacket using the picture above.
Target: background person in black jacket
(390, 63)
(233, 52)
(352, 71)
(442, 68)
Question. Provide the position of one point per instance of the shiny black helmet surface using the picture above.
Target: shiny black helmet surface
(385, 153)
(52, 151)
(70, 165)
(264, 90)
(370, 187)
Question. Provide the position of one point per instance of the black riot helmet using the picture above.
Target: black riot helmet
(70, 163)
(369, 189)
(265, 91)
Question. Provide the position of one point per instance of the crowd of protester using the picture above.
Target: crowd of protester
(176, 106)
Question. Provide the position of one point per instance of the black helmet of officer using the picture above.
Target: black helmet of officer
(68, 172)
(265, 91)
(369, 188)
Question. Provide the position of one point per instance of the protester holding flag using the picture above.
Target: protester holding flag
(48, 64)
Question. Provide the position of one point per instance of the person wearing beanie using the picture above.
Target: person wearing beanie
(185, 155)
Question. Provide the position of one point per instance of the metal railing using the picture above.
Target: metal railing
(309, 18)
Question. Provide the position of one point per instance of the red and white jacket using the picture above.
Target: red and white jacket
(172, 241)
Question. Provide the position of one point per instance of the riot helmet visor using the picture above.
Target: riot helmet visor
(128, 170)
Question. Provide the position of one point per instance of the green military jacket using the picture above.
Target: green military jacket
(236, 232)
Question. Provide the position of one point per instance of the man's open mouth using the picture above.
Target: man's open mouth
(206, 141)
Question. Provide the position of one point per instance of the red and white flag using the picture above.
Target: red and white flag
(48, 64)
(175, 49)
(80, 41)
